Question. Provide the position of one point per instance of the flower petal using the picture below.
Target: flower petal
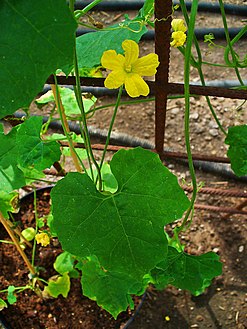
(179, 39)
(146, 65)
(111, 60)
(178, 25)
(115, 79)
(135, 85)
(131, 51)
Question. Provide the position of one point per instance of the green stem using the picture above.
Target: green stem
(84, 119)
(198, 65)
(209, 102)
(6, 241)
(17, 289)
(36, 224)
(111, 125)
(191, 27)
(79, 13)
(64, 122)
(228, 40)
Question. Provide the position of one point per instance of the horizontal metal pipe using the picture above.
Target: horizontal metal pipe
(173, 88)
(102, 91)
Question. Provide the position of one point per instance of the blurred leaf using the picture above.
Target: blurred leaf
(64, 263)
(69, 101)
(29, 233)
(2, 304)
(11, 297)
(237, 152)
(11, 177)
(33, 151)
(9, 202)
(58, 286)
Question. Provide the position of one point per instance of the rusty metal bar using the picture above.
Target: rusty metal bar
(178, 88)
(163, 11)
(239, 207)
(171, 88)
(222, 192)
(221, 209)
(165, 154)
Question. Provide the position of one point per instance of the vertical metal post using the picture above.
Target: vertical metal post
(163, 10)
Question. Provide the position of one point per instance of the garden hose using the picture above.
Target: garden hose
(238, 10)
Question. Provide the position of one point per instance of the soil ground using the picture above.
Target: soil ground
(224, 304)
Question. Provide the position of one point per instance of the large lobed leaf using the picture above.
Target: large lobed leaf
(237, 152)
(125, 230)
(36, 39)
(184, 271)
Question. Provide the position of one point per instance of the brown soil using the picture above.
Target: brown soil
(31, 311)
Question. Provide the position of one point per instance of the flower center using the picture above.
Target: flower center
(127, 68)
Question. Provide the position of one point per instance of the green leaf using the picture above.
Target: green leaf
(90, 46)
(33, 152)
(31, 174)
(147, 9)
(2, 304)
(64, 263)
(37, 37)
(10, 296)
(184, 271)
(60, 137)
(237, 152)
(111, 290)
(82, 153)
(69, 101)
(109, 182)
(11, 177)
(125, 230)
(59, 285)
(29, 233)
(9, 202)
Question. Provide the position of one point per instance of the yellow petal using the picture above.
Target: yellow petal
(146, 65)
(179, 39)
(115, 79)
(178, 25)
(43, 239)
(131, 52)
(111, 60)
(135, 85)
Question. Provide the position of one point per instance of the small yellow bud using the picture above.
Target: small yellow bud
(178, 25)
(167, 318)
(43, 239)
(179, 39)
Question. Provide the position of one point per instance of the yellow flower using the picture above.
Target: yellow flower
(43, 239)
(129, 69)
(179, 39)
(178, 25)
(178, 36)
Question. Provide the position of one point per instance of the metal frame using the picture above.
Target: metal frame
(162, 88)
